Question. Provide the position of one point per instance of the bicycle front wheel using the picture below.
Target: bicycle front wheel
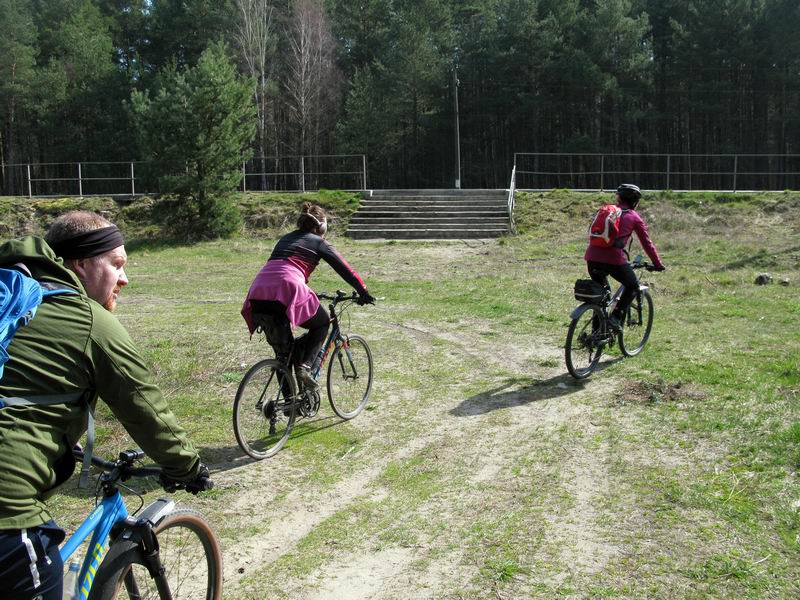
(350, 377)
(265, 408)
(637, 326)
(584, 342)
(188, 551)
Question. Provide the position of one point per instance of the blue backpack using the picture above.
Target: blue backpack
(20, 296)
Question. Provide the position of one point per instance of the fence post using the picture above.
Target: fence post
(735, 171)
(602, 171)
(667, 171)
(303, 174)
(80, 182)
(133, 181)
(244, 177)
(30, 191)
(364, 172)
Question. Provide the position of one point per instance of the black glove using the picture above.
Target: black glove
(365, 298)
(200, 483)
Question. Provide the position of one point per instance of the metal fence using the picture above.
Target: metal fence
(679, 172)
(135, 178)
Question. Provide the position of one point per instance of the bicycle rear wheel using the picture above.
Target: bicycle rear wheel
(265, 409)
(188, 551)
(350, 377)
(638, 324)
(584, 342)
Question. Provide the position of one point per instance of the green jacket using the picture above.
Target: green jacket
(73, 344)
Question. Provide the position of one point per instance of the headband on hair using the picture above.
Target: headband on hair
(89, 243)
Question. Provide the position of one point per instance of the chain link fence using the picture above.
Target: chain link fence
(133, 178)
(678, 172)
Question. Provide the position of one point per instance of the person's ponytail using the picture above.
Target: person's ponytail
(312, 219)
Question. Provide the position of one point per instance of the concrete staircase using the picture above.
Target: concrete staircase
(431, 214)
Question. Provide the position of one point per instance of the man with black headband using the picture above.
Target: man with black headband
(73, 348)
(96, 256)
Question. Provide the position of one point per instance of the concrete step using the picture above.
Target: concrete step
(426, 225)
(432, 212)
(438, 219)
(438, 192)
(443, 202)
(426, 234)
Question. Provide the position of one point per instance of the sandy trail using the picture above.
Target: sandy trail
(543, 401)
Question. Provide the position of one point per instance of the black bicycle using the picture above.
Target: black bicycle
(269, 400)
(590, 332)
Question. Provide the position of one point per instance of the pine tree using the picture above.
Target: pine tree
(196, 129)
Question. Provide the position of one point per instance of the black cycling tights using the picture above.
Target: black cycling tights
(310, 343)
(306, 346)
(625, 274)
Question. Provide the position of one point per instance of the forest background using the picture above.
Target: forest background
(377, 77)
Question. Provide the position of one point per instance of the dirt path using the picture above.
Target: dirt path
(475, 437)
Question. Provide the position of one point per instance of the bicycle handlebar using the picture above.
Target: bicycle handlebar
(123, 469)
(340, 296)
(645, 266)
(638, 263)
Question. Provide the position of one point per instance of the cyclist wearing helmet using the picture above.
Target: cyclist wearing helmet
(281, 287)
(602, 262)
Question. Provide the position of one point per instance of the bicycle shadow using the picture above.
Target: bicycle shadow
(221, 459)
(508, 395)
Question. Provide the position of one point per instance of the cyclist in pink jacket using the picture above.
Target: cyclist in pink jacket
(281, 287)
(602, 262)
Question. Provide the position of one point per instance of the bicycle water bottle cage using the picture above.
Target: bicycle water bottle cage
(277, 330)
(588, 290)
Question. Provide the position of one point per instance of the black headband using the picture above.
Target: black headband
(89, 243)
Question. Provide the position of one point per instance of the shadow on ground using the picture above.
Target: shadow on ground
(224, 458)
(509, 394)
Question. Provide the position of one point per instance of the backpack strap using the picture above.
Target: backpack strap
(51, 289)
(51, 400)
(47, 400)
(83, 482)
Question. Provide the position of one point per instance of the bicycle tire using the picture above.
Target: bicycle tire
(349, 389)
(631, 326)
(263, 427)
(186, 575)
(583, 342)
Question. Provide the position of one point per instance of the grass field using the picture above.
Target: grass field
(480, 469)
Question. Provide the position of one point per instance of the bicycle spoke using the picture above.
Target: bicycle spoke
(350, 377)
(584, 344)
(263, 416)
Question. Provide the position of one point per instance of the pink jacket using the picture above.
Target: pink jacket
(629, 223)
(285, 282)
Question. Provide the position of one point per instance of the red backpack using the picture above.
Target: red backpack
(605, 226)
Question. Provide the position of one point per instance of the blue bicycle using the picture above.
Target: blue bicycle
(161, 552)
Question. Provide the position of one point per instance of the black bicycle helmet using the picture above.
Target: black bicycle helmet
(630, 193)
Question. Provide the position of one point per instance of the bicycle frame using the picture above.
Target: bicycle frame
(333, 337)
(99, 523)
(329, 345)
(608, 307)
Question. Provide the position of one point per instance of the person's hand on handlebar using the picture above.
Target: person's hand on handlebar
(200, 483)
(365, 298)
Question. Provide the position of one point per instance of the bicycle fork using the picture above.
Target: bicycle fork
(352, 373)
(140, 530)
